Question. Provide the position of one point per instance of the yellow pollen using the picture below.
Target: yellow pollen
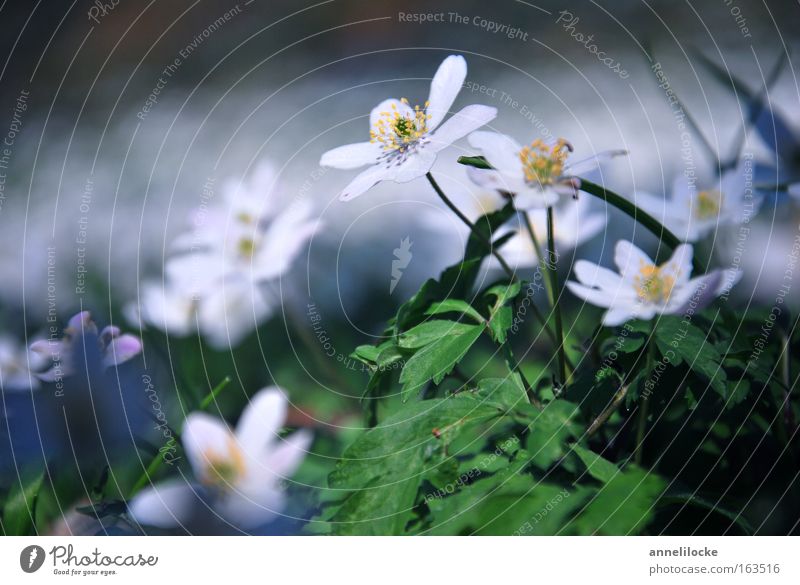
(223, 469)
(247, 247)
(708, 204)
(394, 131)
(652, 284)
(544, 164)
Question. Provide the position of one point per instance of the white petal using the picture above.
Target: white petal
(683, 192)
(446, 84)
(232, 311)
(500, 150)
(679, 266)
(389, 106)
(205, 438)
(595, 276)
(592, 162)
(251, 504)
(535, 198)
(617, 316)
(262, 419)
(591, 295)
(287, 454)
(459, 125)
(352, 156)
(415, 165)
(630, 260)
(366, 180)
(284, 238)
(164, 505)
(794, 190)
(121, 349)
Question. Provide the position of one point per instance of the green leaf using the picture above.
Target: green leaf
(501, 316)
(382, 471)
(549, 431)
(624, 505)
(431, 331)
(437, 359)
(694, 500)
(598, 467)
(683, 342)
(454, 306)
(19, 512)
(486, 228)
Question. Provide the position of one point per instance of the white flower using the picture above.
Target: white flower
(218, 278)
(114, 347)
(237, 473)
(691, 213)
(794, 190)
(404, 140)
(17, 366)
(643, 290)
(573, 224)
(536, 175)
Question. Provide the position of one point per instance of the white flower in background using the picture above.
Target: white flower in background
(691, 213)
(574, 222)
(643, 290)
(404, 141)
(114, 347)
(536, 175)
(218, 279)
(794, 190)
(237, 473)
(17, 366)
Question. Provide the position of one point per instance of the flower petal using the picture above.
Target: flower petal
(595, 276)
(164, 505)
(389, 106)
(679, 265)
(459, 125)
(535, 198)
(500, 150)
(415, 165)
(262, 419)
(286, 456)
(251, 504)
(366, 180)
(204, 438)
(121, 349)
(445, 85)
(630, 260)
(591, 295)
(352, 156)
(618, 315)
(231, 311)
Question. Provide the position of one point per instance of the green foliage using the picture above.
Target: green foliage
(19, 511)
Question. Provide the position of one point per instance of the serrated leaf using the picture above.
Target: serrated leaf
(382, 471)
(437, 359)
(688, 344)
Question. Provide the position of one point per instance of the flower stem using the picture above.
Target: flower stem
(488, 244)
(553, 268)
(644, 402)
(609, 410)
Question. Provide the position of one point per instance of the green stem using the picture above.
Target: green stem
(488, 244)
(609, 410)
(553, 268)
(644, 402)
(513, 365)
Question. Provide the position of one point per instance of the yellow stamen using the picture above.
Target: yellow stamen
(708, 205)
(395, 131)
(544, 164)
(223, 469)
(653, 284)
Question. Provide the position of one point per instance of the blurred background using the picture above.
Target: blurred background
(116, 114)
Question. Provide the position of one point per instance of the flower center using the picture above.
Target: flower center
(222, 470)
(708, 204)
(544, 164)
(652, 284)
(395, 131)
(247, 247)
